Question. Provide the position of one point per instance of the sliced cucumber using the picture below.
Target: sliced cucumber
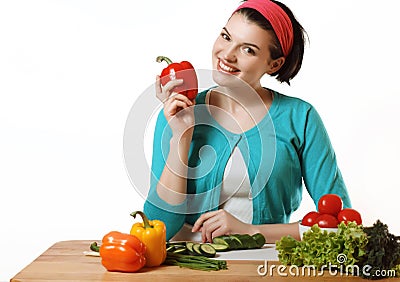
(207, 250)
(196, 249)
(189, 247)
(180, 250)
(170, 248)
(220, 247)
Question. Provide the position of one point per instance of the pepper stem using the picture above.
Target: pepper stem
(95, 247)
(160, 59)
(146, 223)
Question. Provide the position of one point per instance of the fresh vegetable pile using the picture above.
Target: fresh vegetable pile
(330, 213)
(198, 255)
(146, 245)
(129, 252)
(364, 251)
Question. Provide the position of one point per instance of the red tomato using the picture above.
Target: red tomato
(330, 204)
(310, 218)
(327, 221)
(348, 215)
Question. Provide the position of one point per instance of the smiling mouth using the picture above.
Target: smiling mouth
(225, 68)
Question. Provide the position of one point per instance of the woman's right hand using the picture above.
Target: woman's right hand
(178, 109)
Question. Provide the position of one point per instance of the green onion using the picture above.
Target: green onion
(195, 262)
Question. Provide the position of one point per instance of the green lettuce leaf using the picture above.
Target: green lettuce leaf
(322, 248)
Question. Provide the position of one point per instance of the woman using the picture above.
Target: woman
(234, 159)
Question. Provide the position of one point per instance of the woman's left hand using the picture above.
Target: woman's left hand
(217, 223)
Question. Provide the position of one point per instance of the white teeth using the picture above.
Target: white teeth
(225, 67)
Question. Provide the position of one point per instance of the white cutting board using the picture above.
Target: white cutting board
(268, 252)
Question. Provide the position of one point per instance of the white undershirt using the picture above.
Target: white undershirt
(235, 195)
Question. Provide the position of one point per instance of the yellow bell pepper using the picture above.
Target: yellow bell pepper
(153, 234)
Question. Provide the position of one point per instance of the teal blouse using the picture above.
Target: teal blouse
(288, 147)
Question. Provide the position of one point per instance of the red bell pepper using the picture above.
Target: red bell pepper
(183, 70)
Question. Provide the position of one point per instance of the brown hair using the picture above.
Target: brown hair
(294, 59)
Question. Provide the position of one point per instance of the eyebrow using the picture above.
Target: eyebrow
(249, 44)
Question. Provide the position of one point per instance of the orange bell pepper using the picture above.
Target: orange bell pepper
(122, 252)
(153, 234)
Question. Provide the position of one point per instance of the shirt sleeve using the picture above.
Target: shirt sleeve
(320, 171)
(154, 207)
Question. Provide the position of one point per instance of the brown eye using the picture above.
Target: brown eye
(248, 50)
(225, 36)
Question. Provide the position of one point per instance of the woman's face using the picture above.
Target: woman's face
(242, 50)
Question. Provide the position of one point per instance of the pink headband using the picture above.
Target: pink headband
(279, 20)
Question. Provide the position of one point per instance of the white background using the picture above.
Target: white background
(71, 70)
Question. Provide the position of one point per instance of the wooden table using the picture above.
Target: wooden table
(65, 261)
